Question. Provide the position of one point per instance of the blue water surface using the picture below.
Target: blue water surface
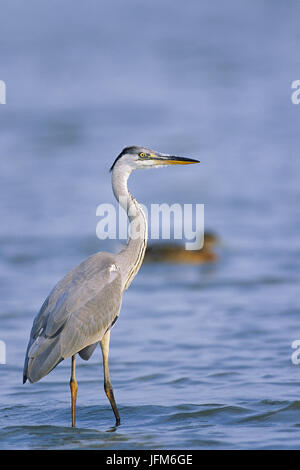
(201, 355)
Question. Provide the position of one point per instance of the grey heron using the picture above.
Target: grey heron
(81, 309)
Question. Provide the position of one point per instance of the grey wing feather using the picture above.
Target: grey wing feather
(75, 315)
(86, 352)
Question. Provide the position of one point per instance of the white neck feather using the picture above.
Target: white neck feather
(131, 257)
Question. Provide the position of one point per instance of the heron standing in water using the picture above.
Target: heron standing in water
(81, 309)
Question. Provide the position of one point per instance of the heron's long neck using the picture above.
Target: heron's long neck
(131, 257)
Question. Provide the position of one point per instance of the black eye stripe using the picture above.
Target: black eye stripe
(131, 150)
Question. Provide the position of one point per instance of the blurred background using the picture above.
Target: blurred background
(201, 355)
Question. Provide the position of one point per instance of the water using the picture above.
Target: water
(201, 356)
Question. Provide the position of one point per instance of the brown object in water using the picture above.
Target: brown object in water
(174, 253)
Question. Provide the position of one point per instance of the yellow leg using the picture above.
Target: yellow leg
(74, 388)
(110, 395)
(107, 383)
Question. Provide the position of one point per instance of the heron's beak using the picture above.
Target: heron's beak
(172, 160)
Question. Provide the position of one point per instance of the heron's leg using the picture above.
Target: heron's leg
(107, 383)
(74, 388)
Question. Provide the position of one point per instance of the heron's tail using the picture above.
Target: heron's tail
(42, 356)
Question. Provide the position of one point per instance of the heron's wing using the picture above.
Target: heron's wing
(90, 320)
(40, 321)
(86, 352)
(76, 314)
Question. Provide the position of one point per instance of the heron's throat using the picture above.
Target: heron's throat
(131, 257)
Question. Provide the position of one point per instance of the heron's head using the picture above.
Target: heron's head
(140, 157)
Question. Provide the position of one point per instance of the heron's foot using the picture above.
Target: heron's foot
(110, 395)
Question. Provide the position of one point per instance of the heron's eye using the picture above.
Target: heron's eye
(142, 155)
